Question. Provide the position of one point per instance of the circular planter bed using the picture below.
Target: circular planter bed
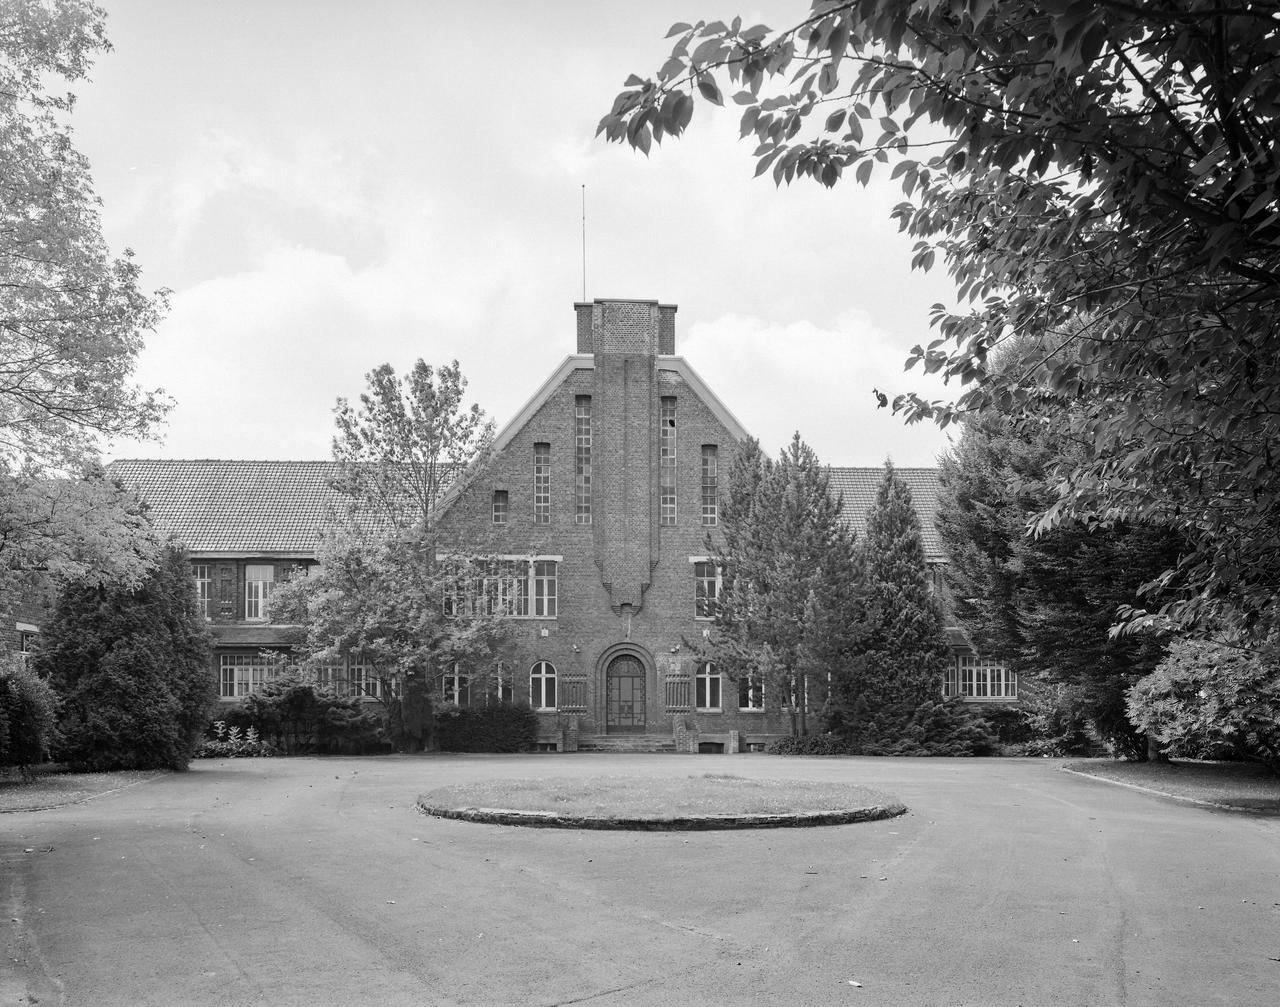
(708, 801)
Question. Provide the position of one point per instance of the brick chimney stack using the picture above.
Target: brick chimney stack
(615, 326)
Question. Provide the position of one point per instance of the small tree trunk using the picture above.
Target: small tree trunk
(1155, 753)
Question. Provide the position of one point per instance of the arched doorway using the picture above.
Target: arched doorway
(624, 707)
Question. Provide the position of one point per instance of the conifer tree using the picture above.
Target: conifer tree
(790, 596)
(133, 670)
(1045, 605)
(898, 667)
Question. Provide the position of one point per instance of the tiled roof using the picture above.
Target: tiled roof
(259, 506)
(858, 487)
(233, 506)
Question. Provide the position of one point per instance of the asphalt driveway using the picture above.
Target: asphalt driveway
(314, 881)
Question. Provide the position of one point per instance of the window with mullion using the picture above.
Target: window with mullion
(582, 457)
(710, 508)
(706, 583)
(542, 483)
(542, 686)
(667, 460)
(706, 688)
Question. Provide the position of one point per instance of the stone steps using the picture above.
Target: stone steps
(627, 743)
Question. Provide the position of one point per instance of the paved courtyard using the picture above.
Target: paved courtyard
(314, 881)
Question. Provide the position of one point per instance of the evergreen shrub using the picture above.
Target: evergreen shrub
(808, 744)
(28, 717)
(499, 727)
(295, 716)
(132, 669)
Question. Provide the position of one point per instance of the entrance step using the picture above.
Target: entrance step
(626, 743)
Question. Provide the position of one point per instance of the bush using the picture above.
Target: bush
(297, 717)
(500, 727)
(28, 717)
(1205, 697)
(808, 744)
(233, 743)
(132, 669)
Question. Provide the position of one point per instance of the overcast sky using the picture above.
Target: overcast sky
(325, 186)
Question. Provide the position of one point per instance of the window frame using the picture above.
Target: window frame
(501, 507)
(257, 593)
(203, 574)
(456, 683)
(539, 680)
(710, 485)
(542, 482)
(754, 684)
(976, 677)
(582, 458)
(704, 601)
(667, 460)
(707, 680)
(258, 670)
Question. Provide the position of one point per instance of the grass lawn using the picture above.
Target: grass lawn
(53, 788)
(1236, 784)
(658, 799)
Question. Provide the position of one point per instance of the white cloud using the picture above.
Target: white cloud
(779, 378)
(311, 172)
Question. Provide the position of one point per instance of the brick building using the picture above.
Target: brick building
(596, 503)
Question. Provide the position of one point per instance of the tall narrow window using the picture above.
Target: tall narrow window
(455, 687)
(204, 588)
(500, 506)
(259, 581)
(582, 456)
(710, 510)
(667, 460)
(706, 687)
(706, 583)
(542, 686)
(542, 483)
(544, 588)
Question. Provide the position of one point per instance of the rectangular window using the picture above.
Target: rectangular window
(241, 674)
(667, 460)
(710, 507)
(505, 587)
(977, 677)
(499, 506)
(542, 483)
(750, 693)
(582, 457)
(706, 688)
(259, 582)
(706, 586)
(204, 588)
(544, 588)
(456, 688)
(27, 640)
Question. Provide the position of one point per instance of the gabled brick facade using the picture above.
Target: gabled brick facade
(600, 496)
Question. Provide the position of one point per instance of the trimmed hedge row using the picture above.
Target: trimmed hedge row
(502, 727)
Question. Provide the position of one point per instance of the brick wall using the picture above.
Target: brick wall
(625, 582)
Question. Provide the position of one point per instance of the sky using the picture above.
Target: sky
(327, 186)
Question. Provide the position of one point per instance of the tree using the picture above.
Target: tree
(789, 603)
(898, 665)
(1045, 604)
(132, 668)
(1204, 698)
(1104, 177)
(72, 319)
(384, 593)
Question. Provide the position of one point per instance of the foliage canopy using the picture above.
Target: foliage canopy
(1103, 177)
